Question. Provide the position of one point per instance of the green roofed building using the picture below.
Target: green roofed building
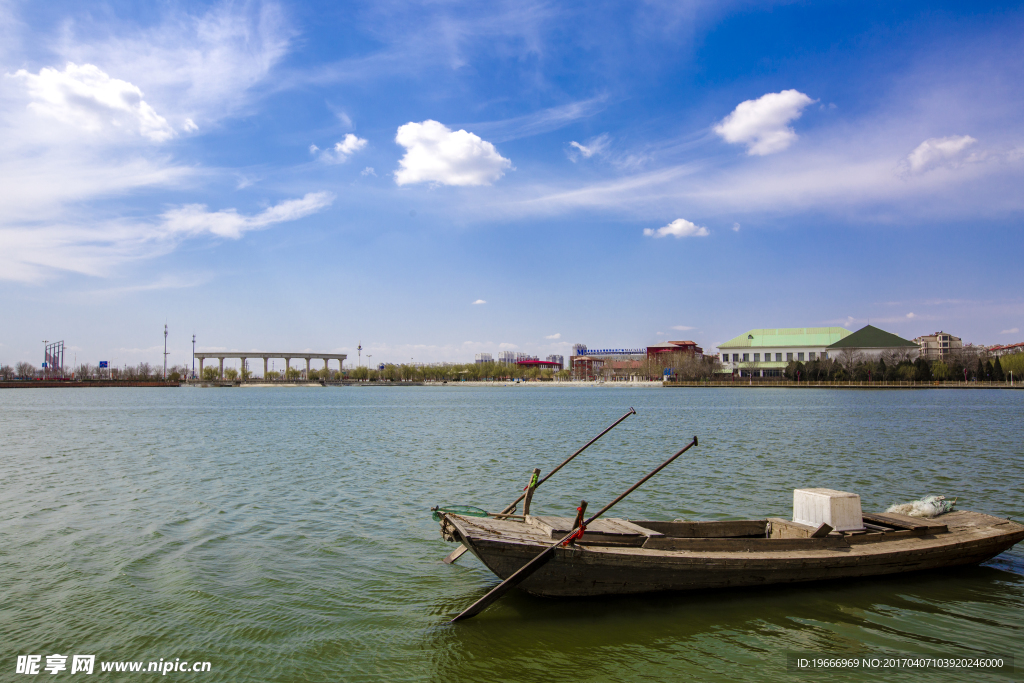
(870, 343)
(766, 352)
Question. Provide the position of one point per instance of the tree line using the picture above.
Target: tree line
(971, 363)
(86, 371)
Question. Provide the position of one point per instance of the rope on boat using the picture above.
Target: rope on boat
(929, 506)
(464, 510)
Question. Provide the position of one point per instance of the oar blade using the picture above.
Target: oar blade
(455, 554)
(523, 573)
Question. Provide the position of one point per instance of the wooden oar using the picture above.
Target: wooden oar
(458, 552)
(545, 556)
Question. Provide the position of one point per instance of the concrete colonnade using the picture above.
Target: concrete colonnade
(288, 357)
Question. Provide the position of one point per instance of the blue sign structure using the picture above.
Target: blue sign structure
(45, 365)
(103, 363)
(584, 351)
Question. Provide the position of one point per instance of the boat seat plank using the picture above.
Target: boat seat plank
(748, 545)
(904, 522)
(712, 529)
(557, 527)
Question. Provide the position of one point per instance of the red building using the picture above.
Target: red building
(542, 364)
(675, 347)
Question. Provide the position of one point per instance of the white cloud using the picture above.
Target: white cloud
(434, 153)
(910, 316)
(763, 124)
(95, 248)
(88, 98)
(350, 145)
(1012, 330)
(593, 146)
(479, 301)
(935, 152)
(197, 66)
(735, 227)
(557, 335)
(683, 328)
(341, 151)
(680, 227)
(194, 219)
(506, 345)
(150, 84)
(368, 171)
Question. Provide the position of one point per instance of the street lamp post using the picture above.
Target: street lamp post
(193, 355)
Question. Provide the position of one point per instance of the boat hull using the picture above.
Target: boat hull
(585, 570)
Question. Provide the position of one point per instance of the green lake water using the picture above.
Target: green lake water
(284, 534)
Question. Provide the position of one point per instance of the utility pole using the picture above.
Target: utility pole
(360, 350)
(46, 365)
(193, 355)
(165, 351)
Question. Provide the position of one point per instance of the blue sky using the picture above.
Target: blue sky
(439, 179)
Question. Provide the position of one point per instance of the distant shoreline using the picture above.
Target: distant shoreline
(91, 384)
(717, 384)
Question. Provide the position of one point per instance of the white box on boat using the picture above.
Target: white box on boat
(839, 509)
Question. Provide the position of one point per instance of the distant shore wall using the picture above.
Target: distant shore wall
(45, 384)
(744, 383)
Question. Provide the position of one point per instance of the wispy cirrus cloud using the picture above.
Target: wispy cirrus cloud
(101, 123)
(538, 122)
(97, 248)
(201, 66)
(593, 146)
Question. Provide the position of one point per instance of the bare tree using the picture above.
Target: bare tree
(24, 369)
(849, 359)
(894, 357)
(6, 372)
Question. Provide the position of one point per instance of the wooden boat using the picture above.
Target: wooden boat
(617, 556)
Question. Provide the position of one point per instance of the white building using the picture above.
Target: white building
(765, 352)
(938, 345)
(484, 358)
(871, 343)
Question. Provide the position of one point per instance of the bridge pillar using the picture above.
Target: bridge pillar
(221, 367)
(201, 367)
(327, 371)
(264, 368)
(307, 368)
(287, 365)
